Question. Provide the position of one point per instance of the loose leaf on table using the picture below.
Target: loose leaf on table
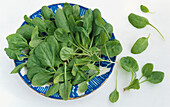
(134, 85)
(66, 53)
(83, 86)
(140, 45)
(88, 21)
(40, 23)
(14, 54)
(114, 96)
(61, 21)
(25, 31)
(129, 64)
(47, 13)
(113, 48)
(61, 35)
(144, 9)
(41, 78)
(18, 68)
(53, 89)
(156, 77)
(27, 19)
(44, 54)
(17, 41)
(34, 70)
(140, 22)
(147, 69)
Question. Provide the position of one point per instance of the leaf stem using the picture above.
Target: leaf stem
(65, 71)
(143, 81)
(157, 31)
(91, 42)
(140, 78)
(132, 77)
(54, 69)
(116, 78)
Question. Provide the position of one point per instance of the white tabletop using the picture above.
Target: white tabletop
(15, 93)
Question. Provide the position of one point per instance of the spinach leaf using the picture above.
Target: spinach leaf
(53, 89)
(133, 85)
(44, 54)
(101, 39)
(93, 67)
(66, 53)
(114, 96)
(112, 48)
(28, 20)
(83, 86)
(41, 78)
(78, 79)
(144, 9)
(109, 29)
(76, 10)
(140, 22)
(129, 64)
(33, 61)
(67, 9)
(50, 27)
(71, 23)
(74, 70)
(25, 31)
(140, 45)
(34, 70)
(18, 68)
(147, 69)
(61, 21)
(40, 23)
(88, 21)
(61, 35)
(57, 78)
(156, 77)
(82, 61)
(16, 41)
(47, 13)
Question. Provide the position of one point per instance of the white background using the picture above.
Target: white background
(15, 93)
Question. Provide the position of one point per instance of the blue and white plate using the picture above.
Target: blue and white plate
(93, 84)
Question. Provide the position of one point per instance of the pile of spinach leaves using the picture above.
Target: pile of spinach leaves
(61, 47)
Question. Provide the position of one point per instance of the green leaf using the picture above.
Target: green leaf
(18, 68)
(61, 21)
(33, 61)
(58, 62)
(47, 13)
(16, 41)
(109, 29)
(83, 86)
(44, 54)
(114, 96)
(88, 21)
(78, 79)
(66, 53)
(81, 29)
(57, 78)
(101, 39)
(94, 50)
(40, 23)
(156, 77)
(71, 22)
(25, 31)
(74, 70)
(76, 10)
(138, 21)
(147, 69)
(27, 19)
(144, 9)
(54, 46)
(82, 61)
(50, 27)
(34, 70)
(134, 85)
(113, 47)
(14, 54)
(140, 45)
(53, 89)
(67, 9)
(61, 35)
(65, 89)
(93, 67)
(129, 64)
(41, 78)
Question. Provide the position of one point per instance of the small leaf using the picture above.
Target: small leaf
(76, 10)
(114, 96)
(156, 77)
(129, 64)
(74, 70)
(61, 35)
(66, 53)
(40, 23)
(83, 86)
(93, 67)
(28, 20)
(147, 69)
(18, 68)
(140, 45)
(41, 78)
(57, 78)
(47, 13)
(53, 89)
(134, 85)
(144, 9)
(13, 54)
